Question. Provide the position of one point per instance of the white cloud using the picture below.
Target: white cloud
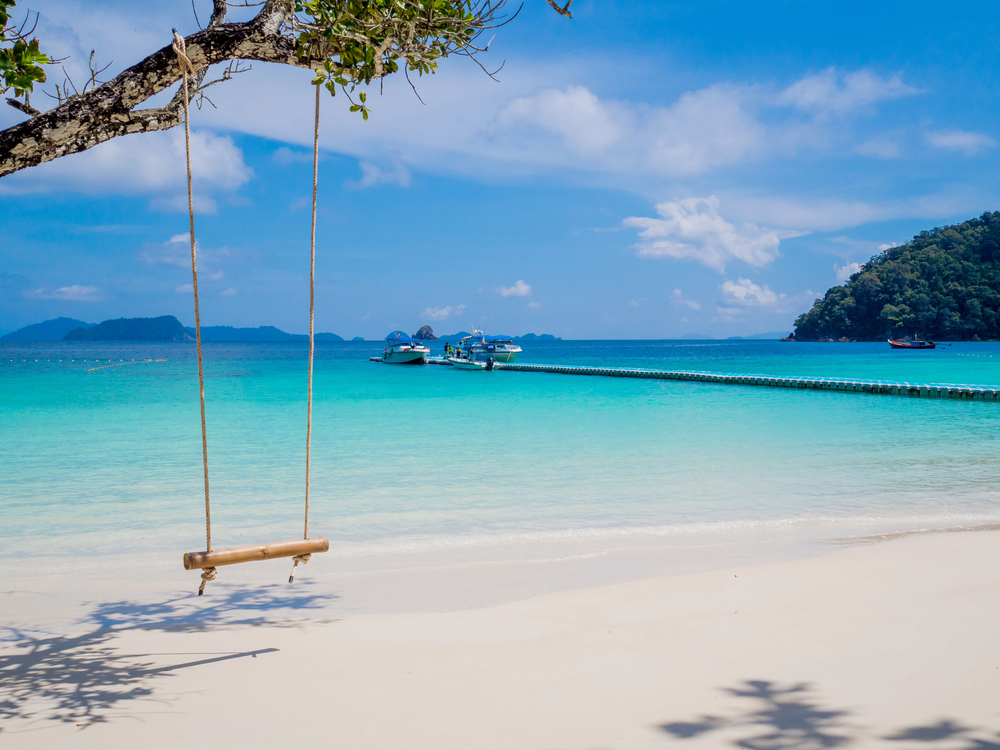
(881, 146)
(203, 204)
(959, 140)
(373, 175)
(846, 271)
(692, 229)
(284, 155)
(534, 305)
(678, 299)
(151, 163)
(442, 313)
(635, 303)
(824, 214)
(707, 128)
(830, 92)
(176, 252)
(520, 289)
(185, 289)
(587, 125)
(230, 292)
(73, 293)
(745, 293)
(888, 246)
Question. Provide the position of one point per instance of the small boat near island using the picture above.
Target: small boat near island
(912, 344)
(401, 349)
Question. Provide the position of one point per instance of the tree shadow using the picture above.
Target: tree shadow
(227, 605)
(82, 678)
(946, 733)
(791, 718)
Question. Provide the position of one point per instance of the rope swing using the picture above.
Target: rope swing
(299, 550)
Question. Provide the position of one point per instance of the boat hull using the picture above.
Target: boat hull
(465, 364)
(499, 354)
(412, 357)
(504, 356)
(909, 345)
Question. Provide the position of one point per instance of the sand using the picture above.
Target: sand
(891, 644)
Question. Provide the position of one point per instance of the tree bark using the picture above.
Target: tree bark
(108, 111)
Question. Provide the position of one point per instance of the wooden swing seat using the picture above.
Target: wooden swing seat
(234, 555)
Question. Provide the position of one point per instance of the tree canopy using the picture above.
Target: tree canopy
(347, 43)
(943, 284)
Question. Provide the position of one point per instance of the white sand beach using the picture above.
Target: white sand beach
(888, 644)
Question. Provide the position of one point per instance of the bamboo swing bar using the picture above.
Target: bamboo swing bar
(234, 555)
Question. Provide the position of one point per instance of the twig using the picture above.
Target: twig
(564, 11)
(24, 107)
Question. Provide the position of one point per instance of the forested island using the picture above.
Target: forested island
(943, 284)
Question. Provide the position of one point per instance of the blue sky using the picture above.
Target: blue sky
(645, 170)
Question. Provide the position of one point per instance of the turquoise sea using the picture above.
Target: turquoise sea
(97, 462)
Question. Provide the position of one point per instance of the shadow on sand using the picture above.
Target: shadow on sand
(791, 718)
(79, 679)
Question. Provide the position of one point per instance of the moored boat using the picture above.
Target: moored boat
(401, 349)
(470, 364)
(912, 344)
(501, 348)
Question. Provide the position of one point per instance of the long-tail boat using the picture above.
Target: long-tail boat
(912, 344)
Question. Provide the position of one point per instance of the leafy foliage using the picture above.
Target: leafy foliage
(362, 40)
(943, 284)
(20, 63)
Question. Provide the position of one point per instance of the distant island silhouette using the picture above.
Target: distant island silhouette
(162, 328)
(48, 330)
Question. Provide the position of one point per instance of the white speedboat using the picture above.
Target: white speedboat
(400, 349)
(468, 364)
(501, 348)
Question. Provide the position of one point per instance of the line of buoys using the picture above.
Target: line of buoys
(123, 364)
(883, 387)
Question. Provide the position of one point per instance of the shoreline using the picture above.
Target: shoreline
(865, 646)
(457, 573)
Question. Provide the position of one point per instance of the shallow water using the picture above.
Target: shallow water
(108, 461)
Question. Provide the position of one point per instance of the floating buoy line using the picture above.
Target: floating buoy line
(122, 364)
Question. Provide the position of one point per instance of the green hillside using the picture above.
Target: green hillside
(943, 284)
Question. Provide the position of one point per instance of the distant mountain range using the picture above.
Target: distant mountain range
(769, 335)
(703, 337)
(168, 328)
(49, 330)
(163, 328)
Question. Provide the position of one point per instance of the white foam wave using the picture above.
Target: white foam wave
(822, 527)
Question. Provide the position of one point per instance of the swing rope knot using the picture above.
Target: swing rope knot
(180, 49)
(295, 563)
(207, 574)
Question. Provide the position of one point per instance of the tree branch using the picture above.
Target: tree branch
(107, 111)
(347, 46)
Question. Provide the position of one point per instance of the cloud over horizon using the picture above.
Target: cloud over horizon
(519, 289)
(692, 229)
